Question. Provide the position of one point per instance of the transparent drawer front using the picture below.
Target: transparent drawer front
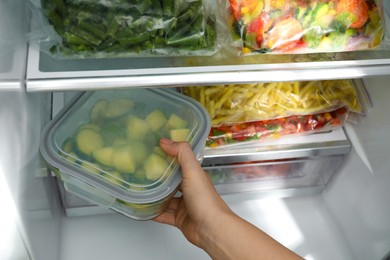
(76, 206)
(288, 176)
(274, 175)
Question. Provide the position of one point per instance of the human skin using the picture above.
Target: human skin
(207, 221)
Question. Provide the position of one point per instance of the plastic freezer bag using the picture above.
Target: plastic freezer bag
(120, 28)
(240, 103)
(275, 128)
(304, 26)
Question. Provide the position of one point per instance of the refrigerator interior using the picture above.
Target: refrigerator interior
(348, 220)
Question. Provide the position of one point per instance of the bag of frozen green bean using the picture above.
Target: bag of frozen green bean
(123, 28)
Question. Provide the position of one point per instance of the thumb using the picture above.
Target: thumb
(184, 154)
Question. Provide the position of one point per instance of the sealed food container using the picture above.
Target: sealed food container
(107, 29)
(295, 26)
(104, 147)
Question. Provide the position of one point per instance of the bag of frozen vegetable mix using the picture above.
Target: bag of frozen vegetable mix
(263, 130)
(121, 28)
(243, 113)
(304, 26)
(240, 103)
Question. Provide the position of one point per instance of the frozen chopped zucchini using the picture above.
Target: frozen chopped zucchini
(159, 151)
(140, 151)
(123, 147)
(67, 146)
(104, 156)
(114, 178)
(140, 174)
(156, 119)
(118, 107)
(136, 179)
(175, 122)
(112, 131)
(91, 167)
(98, 110)
(137, 128)
(119, 141)
(124, 160)
(155, 167)
(88, 140)
(152, 139)
(71, 157)
(180, 135)
(94, 127)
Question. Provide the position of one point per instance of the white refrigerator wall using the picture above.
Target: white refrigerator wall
(13, 27)
(30, 214)
(358, 196)
(28, 193)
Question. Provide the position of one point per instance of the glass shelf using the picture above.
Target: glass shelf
(45, 73)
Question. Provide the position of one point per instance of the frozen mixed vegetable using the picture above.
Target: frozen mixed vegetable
(239, 103)
(274, 128)
(301, 26)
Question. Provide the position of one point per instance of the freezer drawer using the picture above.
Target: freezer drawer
(292, 147)
(278, 175)
(310, 161)
(284, 167)
(75, 206)
(291, 167)
(283, 178)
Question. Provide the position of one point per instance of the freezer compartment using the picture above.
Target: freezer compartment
(275, 175)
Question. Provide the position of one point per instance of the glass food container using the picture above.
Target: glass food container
(104, 147)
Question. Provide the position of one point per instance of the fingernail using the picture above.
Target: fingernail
(166, 141)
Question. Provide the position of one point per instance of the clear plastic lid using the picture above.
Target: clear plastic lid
(110, 139)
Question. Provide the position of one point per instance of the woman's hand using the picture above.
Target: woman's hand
(200, 203)
(206, 220)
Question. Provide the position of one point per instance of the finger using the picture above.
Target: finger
(167, 217)
(174, 203)
(184, 154)
(169, 146)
